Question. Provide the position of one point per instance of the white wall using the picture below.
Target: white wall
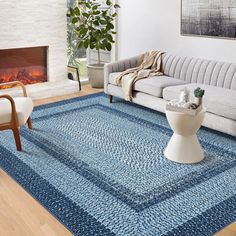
(30, 23)
(155, 24)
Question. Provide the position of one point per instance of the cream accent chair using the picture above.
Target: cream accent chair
(15, 112)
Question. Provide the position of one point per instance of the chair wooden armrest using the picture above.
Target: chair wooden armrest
(15, 83)
(14, 121)
(13, 124)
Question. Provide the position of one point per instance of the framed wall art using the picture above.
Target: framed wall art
(212, 18)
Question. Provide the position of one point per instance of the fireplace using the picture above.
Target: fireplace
(27, 65)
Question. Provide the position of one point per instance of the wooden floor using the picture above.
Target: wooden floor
(21, 215)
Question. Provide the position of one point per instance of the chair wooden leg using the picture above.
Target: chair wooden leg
(17, 139)
(110, 98)
(29, 122)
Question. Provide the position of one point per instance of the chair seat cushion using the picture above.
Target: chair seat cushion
(24, 108)
(219, 101)
(152, 85)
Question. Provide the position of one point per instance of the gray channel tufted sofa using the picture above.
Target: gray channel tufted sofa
(217, 78)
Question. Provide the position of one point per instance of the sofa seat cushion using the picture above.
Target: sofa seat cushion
(153, 85)
(219, 101)
(24, 107)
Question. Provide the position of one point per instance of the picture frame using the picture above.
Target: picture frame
(207, 19)
(73, 74)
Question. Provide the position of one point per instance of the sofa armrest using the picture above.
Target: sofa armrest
(120, 66)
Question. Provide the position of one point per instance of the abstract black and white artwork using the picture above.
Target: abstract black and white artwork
(214, 18)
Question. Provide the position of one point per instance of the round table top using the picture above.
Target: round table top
(203, 110)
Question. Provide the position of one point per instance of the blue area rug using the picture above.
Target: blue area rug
(99, 168)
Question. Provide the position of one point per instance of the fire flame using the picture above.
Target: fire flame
(27, 75)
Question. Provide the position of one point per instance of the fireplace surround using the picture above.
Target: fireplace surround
(32, 24)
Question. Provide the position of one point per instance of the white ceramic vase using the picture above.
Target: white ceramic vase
(198, 101)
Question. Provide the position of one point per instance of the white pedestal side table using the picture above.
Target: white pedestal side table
(184, 146)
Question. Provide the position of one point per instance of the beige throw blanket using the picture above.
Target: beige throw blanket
(151, 66)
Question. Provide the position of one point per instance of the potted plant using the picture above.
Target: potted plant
(95, 30)
(199, 93)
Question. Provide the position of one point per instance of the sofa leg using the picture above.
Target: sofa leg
(17, 139)
(110, 98)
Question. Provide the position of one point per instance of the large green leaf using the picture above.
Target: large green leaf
(110, 25)
(108, 46)
(109, 37)
(96, 12)
(75, 20)
(76, 11)
(108, 2)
